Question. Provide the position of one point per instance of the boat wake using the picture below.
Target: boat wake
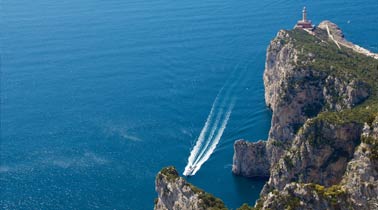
(213, 129)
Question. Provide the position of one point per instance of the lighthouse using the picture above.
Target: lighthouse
(304, 15)
(304, 23)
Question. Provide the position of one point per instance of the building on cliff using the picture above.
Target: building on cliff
(304, 23)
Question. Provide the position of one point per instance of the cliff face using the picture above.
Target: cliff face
(319, 154)
(296, 90)
(174, 193)
(356, 189)
(361, 176)
(322, 147)
(322, 143)
(250, 159)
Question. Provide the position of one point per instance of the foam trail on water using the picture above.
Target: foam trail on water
(207, 142)
(214, 142)
(198, 151)
(215, 126)
(211, 135)
(201, 138)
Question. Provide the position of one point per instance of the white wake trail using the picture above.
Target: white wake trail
(214, 142)
(194, 153)
(215, 126)
(202, 150)
(209, 138)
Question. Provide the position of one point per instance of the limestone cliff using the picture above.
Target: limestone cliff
(174, 193)
(244, 152)
(322, 147)
(296, 90)
(356, 189)
(323, 95)
(361, 176)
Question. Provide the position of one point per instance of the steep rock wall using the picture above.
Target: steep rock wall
(244, 152)
(174, 193)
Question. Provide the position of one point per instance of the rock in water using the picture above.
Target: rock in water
(250, 159)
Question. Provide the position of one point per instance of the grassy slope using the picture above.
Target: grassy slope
(343, 63)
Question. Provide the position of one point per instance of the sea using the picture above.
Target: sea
(98, 96)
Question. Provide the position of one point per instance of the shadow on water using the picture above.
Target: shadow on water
(248, 189)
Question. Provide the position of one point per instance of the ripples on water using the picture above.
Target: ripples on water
(97, 96)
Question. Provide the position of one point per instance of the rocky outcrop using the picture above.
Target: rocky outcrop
(306, 196)
(342, 94)
(357, 189)
(361, 176)
(174, 193)
(244, 152)
(319, 154)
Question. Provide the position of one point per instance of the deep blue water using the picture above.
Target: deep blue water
(98, 96)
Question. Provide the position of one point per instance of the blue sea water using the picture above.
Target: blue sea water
(98, 96)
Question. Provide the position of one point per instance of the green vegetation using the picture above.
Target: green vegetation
(317, 52)
(292, 203)
(333, 194)
(195, 189)
(320, 53)
(170, 172)
(288, 162)
(373, 142)
(156, 200)
(311, 110)
(208, 200)
(245, 206)
(278, 143)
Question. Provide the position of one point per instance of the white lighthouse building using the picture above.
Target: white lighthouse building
(304, 23)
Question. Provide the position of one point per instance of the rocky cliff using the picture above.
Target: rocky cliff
(356, 188)
(322, 147)
(174, 193)
(250, 159)
(296, 90)
(323, 95)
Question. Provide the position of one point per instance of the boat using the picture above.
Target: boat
(189, 171)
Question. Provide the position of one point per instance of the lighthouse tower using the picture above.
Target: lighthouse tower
(304, 15)
(304, 23)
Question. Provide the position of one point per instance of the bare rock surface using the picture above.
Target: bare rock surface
(175, 193)
(244, 152)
